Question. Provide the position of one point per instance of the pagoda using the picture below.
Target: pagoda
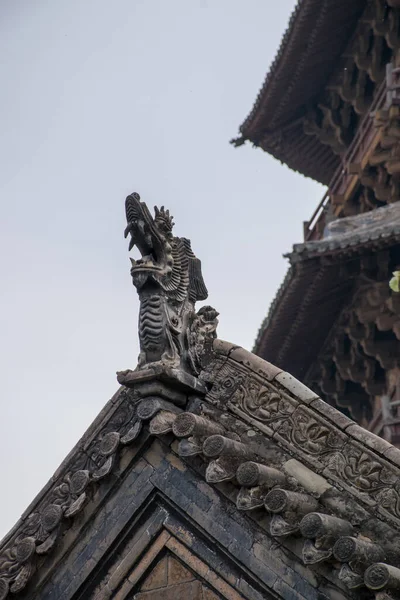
(330, 109)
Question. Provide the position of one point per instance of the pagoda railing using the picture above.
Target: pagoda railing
(313, 229)
(346, 176)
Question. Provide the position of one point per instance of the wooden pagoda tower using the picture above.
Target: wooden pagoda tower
(330, 109)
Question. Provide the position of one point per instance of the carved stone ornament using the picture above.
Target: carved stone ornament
(188, 424)
(251, 474)
(169, 282)
(218, 445)
(222, 469)
(380, 576)
(292, 503)
(251, 498)
(279, 527)
(351, 579)
(322, 532)
(358, 552)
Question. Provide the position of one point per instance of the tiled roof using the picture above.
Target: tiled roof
(316, 35)
(377, 226)
(301, 470)
(308, 285)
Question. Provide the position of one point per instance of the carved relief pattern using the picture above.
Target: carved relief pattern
(303, 430)
(201, 333)
(389, 498)
(263, 402)
(360, 469)
(311, 434)
(260, 400)
(226, 377)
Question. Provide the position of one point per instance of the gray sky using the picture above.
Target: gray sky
(100, 99)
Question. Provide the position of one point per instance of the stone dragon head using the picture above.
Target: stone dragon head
(167, 262)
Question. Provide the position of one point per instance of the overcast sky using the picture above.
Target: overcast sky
(100, 99)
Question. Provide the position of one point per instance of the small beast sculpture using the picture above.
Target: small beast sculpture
(169, 281)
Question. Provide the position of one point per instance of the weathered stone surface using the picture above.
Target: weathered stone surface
(222, 347)
(331, 413)
(188, 424)
(175, 382)
(344, 506)
(380, 576)
(255, 363)
(312, 482)
(358, 551)
(252, 474)
(295, 387)
(316, 525)
(393, 454)
(278, 501)
(169, 281)
(369, 439)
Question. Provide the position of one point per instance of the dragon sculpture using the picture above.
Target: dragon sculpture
(169, 281)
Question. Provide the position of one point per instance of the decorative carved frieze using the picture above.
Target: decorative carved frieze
(310, 434)
(255, 397)
(372, 478)
(302, 431)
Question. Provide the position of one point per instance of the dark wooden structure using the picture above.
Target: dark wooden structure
(330, 109)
